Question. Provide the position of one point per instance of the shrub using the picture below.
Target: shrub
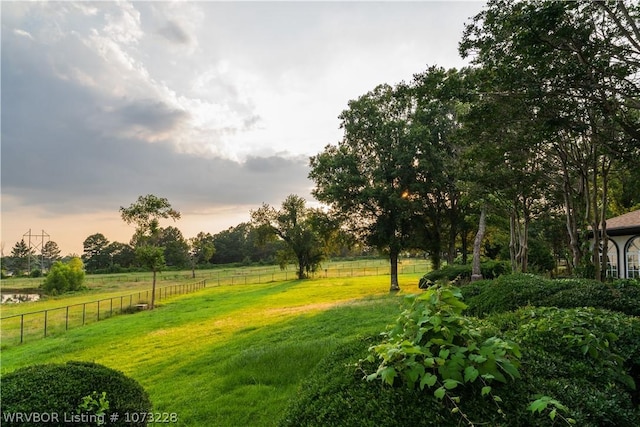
(489, 269)
(513, 291)
(63, 388)
(336, 394)
(587, 358)
(433, 346)
(552, 364)
(64, 277)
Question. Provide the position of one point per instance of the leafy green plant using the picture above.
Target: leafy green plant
(432, 345)
(542, 403)
(96, 404)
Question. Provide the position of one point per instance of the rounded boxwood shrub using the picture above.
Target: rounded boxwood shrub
(60, 389)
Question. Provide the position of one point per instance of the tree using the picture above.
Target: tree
(50, 253)
(297, 226)
(121, 255)
(146, 213)
(201, 249)
(176, 248)
(576, 65)
(21, 256)
(385, 177)
(96, 254)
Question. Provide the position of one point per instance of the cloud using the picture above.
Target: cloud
(173, 32)
(214, 105)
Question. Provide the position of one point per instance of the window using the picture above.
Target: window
(633, 258)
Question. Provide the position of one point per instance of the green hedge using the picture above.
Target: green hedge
(594, 387)
(60, 388)
(489, 270)
(510, 292)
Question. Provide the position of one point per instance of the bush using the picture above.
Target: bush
(587, 358)
(591, 385)
(513, 291)
(64, 277)
(60, 389)
(489, 269)
(336, 394)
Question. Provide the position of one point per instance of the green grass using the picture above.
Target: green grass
(228, 355)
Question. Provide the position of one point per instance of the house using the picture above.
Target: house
(624, 246)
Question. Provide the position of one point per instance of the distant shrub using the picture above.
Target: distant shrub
(489, 269)
(61, 388)
(64, 277)
(513, 291)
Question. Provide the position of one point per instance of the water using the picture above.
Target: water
(15, 298)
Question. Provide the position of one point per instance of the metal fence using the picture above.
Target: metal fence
(19, 328)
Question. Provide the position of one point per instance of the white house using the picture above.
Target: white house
(624, 246)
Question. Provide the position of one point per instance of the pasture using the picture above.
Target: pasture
(225, 355)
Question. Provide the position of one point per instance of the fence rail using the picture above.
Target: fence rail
(18, 328)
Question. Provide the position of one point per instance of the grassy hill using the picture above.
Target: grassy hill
(227, 355)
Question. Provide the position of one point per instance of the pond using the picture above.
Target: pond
(14, 298)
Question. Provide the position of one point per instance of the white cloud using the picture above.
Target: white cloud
(215, 105)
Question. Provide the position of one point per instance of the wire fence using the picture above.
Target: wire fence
(275, 274)
(19, 328)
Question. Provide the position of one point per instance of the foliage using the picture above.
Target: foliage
(20, 257)
(95, 404)
(63, 388)
(589, 359)
(589, 389)
(433, 345)
(146, 213)
(391, 176)
(462, 272)
(518, 290)
(64, 277)
(96, 255)
(298, 227)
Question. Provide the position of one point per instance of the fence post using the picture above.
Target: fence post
(45, 322)
(21, 328)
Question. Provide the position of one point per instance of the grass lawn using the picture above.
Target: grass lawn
(228, 355)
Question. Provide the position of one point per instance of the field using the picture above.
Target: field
(226, 355)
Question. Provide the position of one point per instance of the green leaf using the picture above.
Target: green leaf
(486, 390)
(470, 374)
(428, 379)
(444, 353)
(439, 393)
(388, 374)
(538, 405)
(450, 384)
(552, 414)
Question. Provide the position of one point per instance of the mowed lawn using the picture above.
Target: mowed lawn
(228, 355)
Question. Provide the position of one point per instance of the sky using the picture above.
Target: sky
(216, 106)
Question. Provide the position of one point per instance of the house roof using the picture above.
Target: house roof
(628, 223)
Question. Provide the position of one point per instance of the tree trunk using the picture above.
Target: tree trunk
(476, 274)
(153, 290)
(393, 258)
